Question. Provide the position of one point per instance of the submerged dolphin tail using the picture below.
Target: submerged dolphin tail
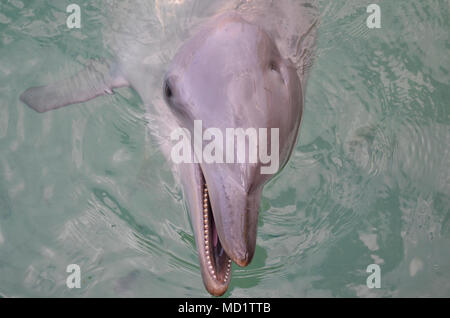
(98, 78)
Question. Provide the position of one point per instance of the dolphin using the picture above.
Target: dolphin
(243, 67)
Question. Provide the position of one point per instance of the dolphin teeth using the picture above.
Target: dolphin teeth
(207, 238)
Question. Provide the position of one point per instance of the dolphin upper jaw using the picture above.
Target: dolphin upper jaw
(235, 208)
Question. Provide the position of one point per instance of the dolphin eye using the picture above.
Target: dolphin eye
(167, 90)
(274, 66)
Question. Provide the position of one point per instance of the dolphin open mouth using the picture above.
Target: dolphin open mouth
(218, 263)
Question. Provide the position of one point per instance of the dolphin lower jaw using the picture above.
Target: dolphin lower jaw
(218, 262)
(214, 261)
(225, 231)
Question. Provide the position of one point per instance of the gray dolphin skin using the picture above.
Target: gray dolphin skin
(237, 70)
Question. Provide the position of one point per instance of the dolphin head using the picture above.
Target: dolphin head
(231, 75)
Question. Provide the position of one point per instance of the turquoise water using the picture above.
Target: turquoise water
(368, 182)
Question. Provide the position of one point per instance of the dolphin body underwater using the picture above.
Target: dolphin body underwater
(244, 66)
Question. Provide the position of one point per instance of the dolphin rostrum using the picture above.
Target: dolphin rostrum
(244, 67)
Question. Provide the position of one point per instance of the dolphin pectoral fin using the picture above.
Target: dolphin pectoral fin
(97, 79)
